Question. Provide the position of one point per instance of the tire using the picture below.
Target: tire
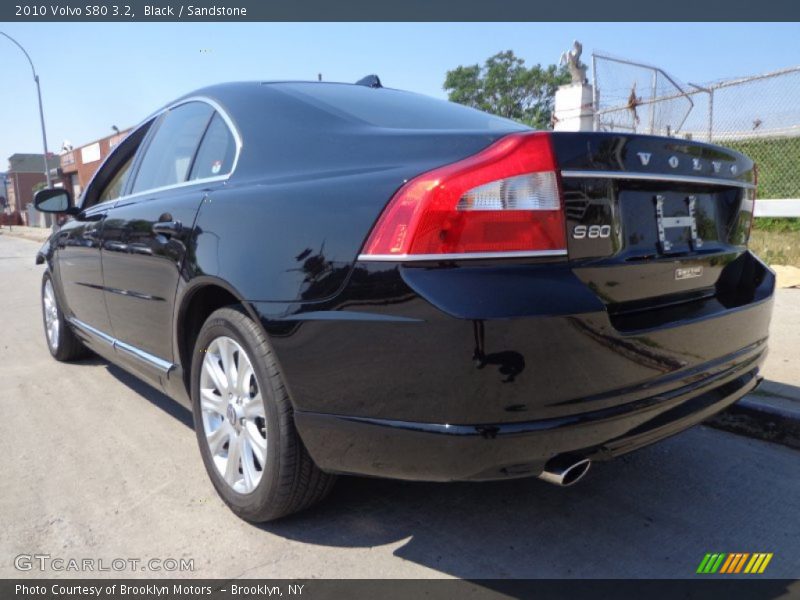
(63, 344)
(263, 471)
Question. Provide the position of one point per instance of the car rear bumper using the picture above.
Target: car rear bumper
(470, 372)
(442, 452)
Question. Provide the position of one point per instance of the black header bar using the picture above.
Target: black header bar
(407, 10)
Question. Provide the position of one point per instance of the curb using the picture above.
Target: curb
(768, 418)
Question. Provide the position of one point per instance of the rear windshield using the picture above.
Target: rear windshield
(395, 109)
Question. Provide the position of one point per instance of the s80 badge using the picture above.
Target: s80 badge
(591, 232)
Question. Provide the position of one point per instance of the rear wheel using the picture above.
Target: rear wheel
(244, 424)
(63, 344)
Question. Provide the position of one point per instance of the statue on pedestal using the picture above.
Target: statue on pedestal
(572, 58)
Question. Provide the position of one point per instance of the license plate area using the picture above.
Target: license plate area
(676, 223)
(630, 210)
(651, 229)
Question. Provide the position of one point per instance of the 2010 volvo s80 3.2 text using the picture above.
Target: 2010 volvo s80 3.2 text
(352, 279)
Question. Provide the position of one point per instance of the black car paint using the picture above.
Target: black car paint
(441, 370)
(78, 245)
(142, 265)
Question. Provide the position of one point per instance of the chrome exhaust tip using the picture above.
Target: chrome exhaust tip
(565, 469)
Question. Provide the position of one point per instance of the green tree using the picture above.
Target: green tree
(504, 86)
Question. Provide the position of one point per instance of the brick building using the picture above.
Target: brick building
(77, 166)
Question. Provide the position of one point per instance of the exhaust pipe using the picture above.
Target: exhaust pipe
(565, 469)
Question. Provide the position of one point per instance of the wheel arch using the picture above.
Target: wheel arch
(201, 297)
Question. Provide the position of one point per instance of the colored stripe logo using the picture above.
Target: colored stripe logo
(736, 562)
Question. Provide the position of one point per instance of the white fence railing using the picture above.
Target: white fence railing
(778, 208)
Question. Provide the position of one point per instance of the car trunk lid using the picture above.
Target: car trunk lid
(652, 221)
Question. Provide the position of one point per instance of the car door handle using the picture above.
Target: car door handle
(167, 228)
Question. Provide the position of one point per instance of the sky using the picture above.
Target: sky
(96, 75)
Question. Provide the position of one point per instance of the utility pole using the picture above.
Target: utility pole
(41, 109)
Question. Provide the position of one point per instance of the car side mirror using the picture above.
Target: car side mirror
(54, 200)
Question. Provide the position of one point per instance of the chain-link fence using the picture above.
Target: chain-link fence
(757, 115)
(637, 97)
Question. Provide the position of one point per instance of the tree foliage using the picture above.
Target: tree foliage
(504, 86)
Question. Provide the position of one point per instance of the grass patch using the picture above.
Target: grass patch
(776, 247)
(775, 224)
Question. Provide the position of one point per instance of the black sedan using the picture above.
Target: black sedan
(352, 279)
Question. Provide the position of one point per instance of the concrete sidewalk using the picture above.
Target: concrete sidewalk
(771, 413)
(763, 416)
(35, 234)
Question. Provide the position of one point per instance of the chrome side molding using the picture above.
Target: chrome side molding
(153, 361)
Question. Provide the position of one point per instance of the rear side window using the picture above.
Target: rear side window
(169, 154)
(394, 108)
(216, 153)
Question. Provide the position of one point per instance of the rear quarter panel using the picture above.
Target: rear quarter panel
(290, 230)
(287, 241)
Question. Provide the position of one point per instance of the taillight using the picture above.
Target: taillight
(503, 201)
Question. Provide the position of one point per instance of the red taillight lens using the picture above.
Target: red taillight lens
(505, 199)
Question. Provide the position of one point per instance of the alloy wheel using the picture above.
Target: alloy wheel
(234, 421)
(52, 324)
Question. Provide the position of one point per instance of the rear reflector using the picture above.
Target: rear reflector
(503, 201)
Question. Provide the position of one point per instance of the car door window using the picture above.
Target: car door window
(217, 151)
(111, 179)
(114, 188)
(169, 153)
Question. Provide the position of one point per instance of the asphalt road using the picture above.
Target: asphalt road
(97, 465)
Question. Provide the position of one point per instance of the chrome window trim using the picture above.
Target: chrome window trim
(171, 187)
(237, 138)
(659, 177)
(463, 256)
(145, 357)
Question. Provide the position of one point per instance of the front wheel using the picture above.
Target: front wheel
(244, 424)
(63, 344)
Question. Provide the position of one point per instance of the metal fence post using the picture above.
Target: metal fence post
(653, 96)
(710, 115)
(595, 92)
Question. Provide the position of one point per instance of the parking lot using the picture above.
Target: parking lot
(98, 465)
